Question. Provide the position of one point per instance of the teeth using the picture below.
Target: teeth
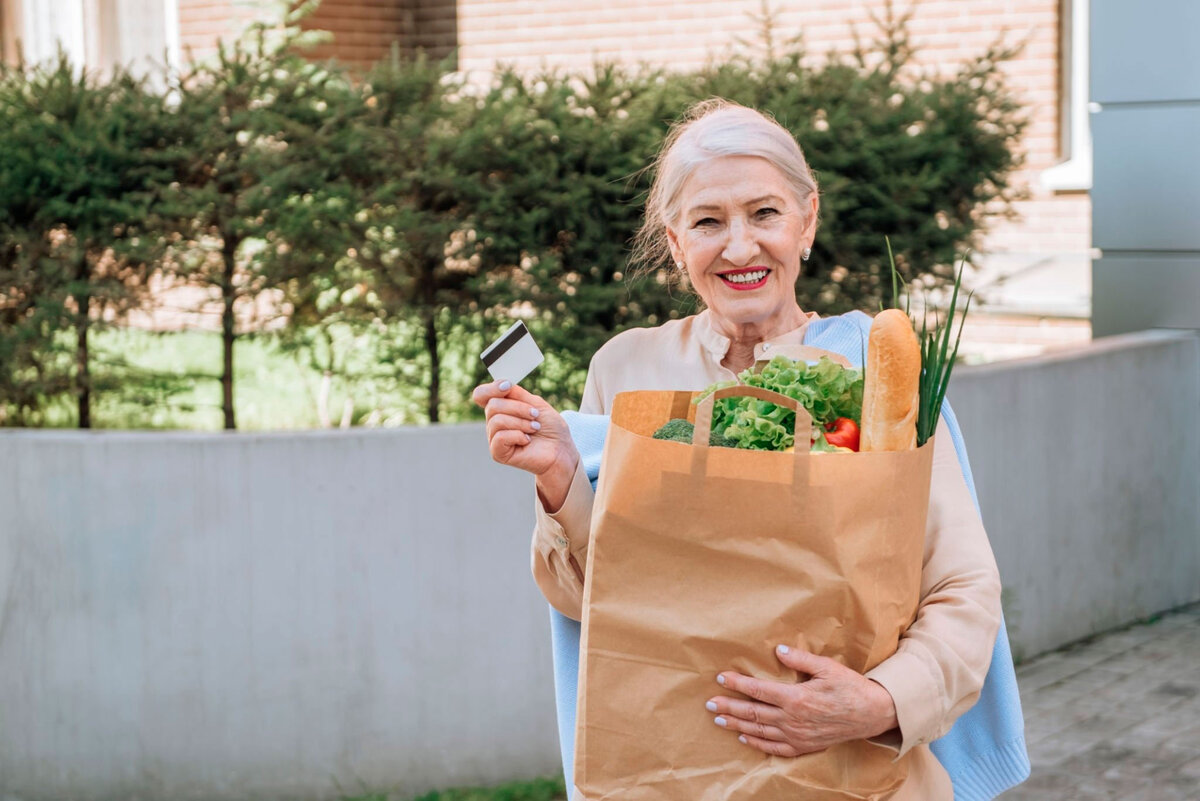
(746, 278)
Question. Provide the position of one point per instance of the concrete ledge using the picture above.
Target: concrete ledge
(230, 616)
(1087, 462)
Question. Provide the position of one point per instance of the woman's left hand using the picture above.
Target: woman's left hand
(835, 705)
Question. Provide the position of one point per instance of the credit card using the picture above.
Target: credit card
(514, 355)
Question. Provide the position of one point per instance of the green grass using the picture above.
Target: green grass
(536, 790)
(147, 380)
(271, 389)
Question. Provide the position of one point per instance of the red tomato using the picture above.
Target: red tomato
(842, 433)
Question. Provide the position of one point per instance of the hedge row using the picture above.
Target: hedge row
(412, 197)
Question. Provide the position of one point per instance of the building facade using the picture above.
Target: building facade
(1036, 266)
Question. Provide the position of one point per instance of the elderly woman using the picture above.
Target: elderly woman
(735, 205)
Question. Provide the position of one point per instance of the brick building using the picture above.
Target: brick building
(1046, 250)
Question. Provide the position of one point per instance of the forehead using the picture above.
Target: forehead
(735, 180)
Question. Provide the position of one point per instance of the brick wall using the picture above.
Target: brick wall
(686, 33)
(437, 27)
(363, 30)
(202, 23)
(10, 28)
(683, 34)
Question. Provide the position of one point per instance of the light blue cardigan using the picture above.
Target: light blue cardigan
(984, 752)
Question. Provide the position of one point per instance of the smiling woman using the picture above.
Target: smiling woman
(734, 206)
(741, 240)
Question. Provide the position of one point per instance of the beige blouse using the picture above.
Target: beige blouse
(939, 668)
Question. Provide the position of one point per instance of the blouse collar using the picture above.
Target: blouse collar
(717, 343)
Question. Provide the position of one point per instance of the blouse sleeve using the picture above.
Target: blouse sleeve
(561, 537)
(938, 670)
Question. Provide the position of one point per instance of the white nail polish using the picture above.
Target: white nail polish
(711, 706)
(720, 722)
(783, 649)
(720, 680)
(742, 739)
(536, 425)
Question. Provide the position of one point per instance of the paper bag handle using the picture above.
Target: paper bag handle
(704, 413)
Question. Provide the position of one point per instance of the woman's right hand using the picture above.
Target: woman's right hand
(526, 432)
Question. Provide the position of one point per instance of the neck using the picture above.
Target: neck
(744, 336)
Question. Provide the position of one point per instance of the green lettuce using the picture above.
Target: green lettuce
(826, 389)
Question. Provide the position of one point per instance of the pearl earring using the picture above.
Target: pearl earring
(678, 265)
(804, 255)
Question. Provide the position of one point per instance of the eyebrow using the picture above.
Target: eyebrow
(712, 207)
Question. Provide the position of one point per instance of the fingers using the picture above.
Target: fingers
(769, 692)
(803, 661)
(496, 389)
(504, 443)
(750, 711)
(508, 422)
(769, 746)
(758, 729)
(521, 394)
(483, 394)
(512, 408)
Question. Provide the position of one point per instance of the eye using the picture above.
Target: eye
(766, 211)
(704, 222)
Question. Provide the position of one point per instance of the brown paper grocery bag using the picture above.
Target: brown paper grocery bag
(703, 560)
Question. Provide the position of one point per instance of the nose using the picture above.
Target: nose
(741, 247)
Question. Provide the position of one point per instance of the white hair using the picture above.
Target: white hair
(711, 129)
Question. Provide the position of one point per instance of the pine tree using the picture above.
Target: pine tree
(78, 191)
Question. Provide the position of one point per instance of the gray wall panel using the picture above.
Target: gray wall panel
(207, 616)
(309, 616)
(1147, 178)
(1132, 292)
(1092, 524)
(1145, 51)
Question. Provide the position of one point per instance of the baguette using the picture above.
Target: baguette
(890, 392)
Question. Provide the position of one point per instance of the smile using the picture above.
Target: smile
(745, 279)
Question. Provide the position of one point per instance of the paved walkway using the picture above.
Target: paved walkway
(1117, 717)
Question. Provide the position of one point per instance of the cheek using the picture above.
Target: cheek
(699, 249)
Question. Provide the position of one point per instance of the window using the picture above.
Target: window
(1074, 173)
(100, 34)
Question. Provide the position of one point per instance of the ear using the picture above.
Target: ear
(676, 249)
(810, 229)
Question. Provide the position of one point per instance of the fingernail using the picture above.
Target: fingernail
(742, 739)
(505, 386)
(720, 679)
(719, 721)
(533, 412)
(783, 649)
(536, 425)
(711, 706)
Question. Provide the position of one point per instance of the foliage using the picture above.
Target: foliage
(261, 189)
(536, 790)
(898, 151)
(403, 218)
(546, 789)
(826, 389)
(79, 231)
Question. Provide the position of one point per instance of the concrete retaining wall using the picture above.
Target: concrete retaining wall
(1087, 466)
(308, 615)
(255, 617)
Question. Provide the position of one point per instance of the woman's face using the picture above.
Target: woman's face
(740, 234)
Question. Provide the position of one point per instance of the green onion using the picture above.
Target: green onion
(937, 357)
